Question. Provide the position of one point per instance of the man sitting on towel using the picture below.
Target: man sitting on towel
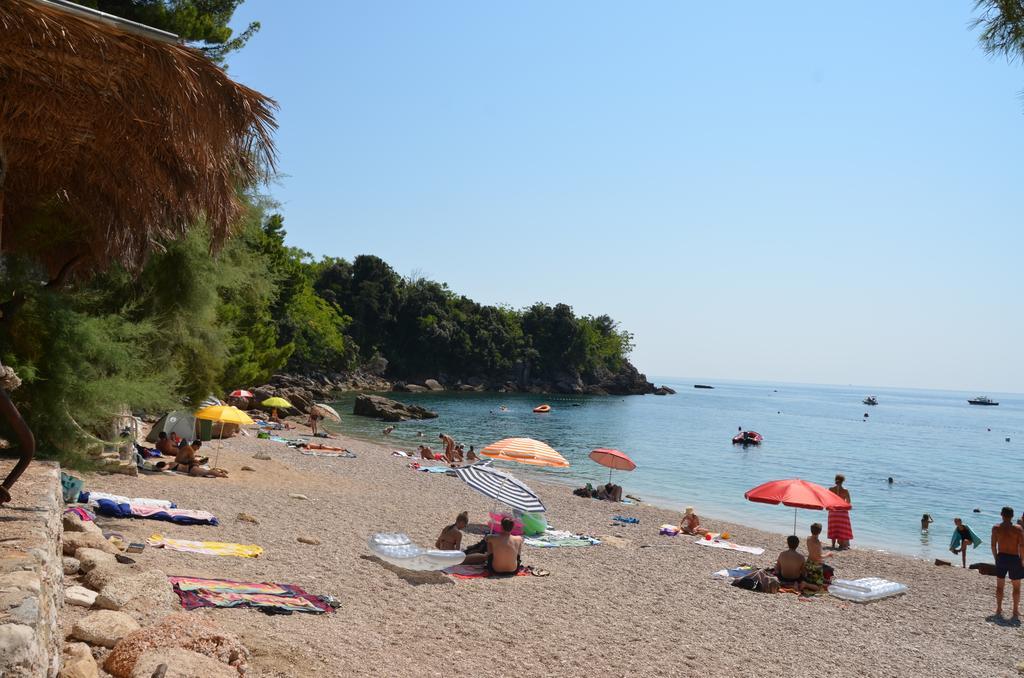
(164, 445)
(503, 550)
(789, 569)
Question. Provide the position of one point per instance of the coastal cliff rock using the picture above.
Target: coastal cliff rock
(663, 390)
(389, 410)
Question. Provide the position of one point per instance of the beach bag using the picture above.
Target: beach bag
(758, 580)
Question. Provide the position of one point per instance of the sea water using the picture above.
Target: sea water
(946, 457)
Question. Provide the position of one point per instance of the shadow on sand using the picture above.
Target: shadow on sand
(414, 577)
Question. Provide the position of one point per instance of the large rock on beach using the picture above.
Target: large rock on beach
(181, 630)
(105, 628)
(148, 594)
(102, 575)
(72, 541)
(664, 390)
(80, 596)
(78, 662)
(89, 558)
(380, 407)
(433, 385)
(181, 664)
(73, 523)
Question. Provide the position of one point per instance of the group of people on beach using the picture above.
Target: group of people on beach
(186, 456)
(808, 573)
(454, 452)
(500, 553)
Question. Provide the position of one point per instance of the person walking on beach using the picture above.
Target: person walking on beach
(314, 420)
(963, 536)
(839, 528)
(1008, 547)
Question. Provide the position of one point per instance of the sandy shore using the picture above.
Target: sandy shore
(640, 604)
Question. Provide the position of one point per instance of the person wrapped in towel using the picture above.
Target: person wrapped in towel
(840, 531)
(963, 536)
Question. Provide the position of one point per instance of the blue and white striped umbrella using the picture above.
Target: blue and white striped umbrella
(502, 487)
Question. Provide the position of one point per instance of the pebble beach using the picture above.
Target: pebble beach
(638, 604)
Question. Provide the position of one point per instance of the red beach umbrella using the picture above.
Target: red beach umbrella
(615, 460)
(241, 393)
(800, 494)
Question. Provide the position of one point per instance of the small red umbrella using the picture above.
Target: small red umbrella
(800, 494)
(613, 459)
(240, 393)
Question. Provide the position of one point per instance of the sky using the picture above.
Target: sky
(800, 192)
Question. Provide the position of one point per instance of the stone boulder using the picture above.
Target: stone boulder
(72, 541)
(389, 410)
(181, 664)
(73, 523)
(103, 575)
(181, 630)
(105, 628)
(663, 390)
(149, 595)
(80, 596)
(71, 565)
(89, 558)
(78, 662)
(433, 385)
(416, 388)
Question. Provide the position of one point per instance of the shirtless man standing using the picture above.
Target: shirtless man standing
(1008, 547)
(449, 446)
(451, 536)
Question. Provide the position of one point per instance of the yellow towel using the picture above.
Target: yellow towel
(213, 548)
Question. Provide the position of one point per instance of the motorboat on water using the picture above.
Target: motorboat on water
(541, 409)
(982, 400)
(747, 438)
(871, 400)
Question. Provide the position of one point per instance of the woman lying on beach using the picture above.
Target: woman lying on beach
(690, 523)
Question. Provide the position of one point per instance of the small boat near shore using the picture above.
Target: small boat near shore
(982, 400)
(541, 409)
(702, 386)
(871, 400)
(747, 438)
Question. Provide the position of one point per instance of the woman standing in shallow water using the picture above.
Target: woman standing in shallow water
(839, 528)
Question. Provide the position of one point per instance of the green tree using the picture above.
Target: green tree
(1002, 27)
(203, 23)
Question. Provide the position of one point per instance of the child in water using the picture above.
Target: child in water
(926, 520)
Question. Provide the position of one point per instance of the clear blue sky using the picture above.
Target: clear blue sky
(797, 192)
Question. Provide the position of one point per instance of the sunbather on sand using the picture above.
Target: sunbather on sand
(690, 523)
(451, 536)
(426, 452)
(164, 445)
(471, 454)
(815, 569)
(609, 492)
(503, 550)
(187, 461)
(789, 568)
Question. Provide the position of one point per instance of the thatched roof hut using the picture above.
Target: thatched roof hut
(114, 138)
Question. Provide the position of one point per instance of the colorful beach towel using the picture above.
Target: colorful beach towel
(114, 509)
(626, 520)
(723, 544)
(560, 539)
(320, 453)
(93, 497)
(213, 548)
(481, 572)
(82, 513)
(195, 592)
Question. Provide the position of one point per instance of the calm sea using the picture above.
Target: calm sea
(946, 457)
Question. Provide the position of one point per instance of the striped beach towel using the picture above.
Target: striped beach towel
(195, 592)
(839, 526)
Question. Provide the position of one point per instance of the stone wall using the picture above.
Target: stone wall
(31, 573)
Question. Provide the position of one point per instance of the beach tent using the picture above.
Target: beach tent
(181, 422)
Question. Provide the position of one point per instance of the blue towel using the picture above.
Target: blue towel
(954, 543)
(623, 519)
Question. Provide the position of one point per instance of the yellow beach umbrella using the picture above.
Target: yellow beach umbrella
(276, 402)
(225, 414)
(525, 451)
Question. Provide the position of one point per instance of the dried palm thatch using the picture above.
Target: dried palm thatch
(113, 142)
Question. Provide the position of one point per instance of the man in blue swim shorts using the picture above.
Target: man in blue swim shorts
(1008, 549)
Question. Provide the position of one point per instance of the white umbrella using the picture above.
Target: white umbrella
(325, 411)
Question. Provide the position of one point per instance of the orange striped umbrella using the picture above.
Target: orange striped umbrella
(525, 451)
